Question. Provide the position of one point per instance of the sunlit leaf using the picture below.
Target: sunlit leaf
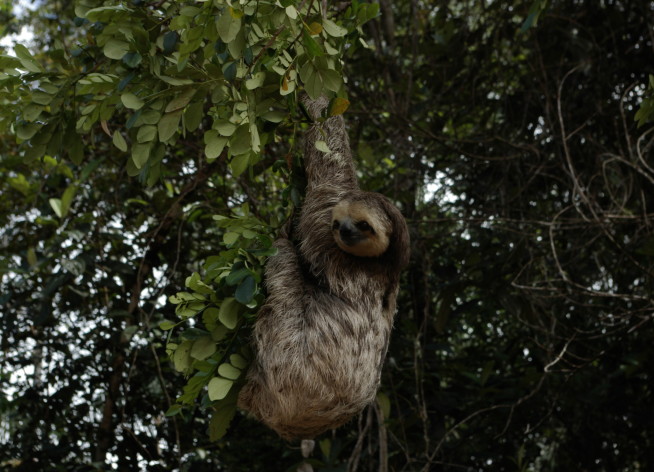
(218, 388)
(229, 371)
(322, 146)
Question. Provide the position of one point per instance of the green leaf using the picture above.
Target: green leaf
(255, 140)
(237, 46)
(220, 421)
(537, 7)
(214, 144)
(141, 154)
(67, 199)
(174, 410)
(331, 79)
(203, 348)
(229, 71)
(31, 257)
(168, 125)
(131, 101)
(530, 21)
(115, 49)
(32, 111)
(322, 147)
(228, 26)
(132, 59)
(230, 238)
(228, 314)
(312, 47)
(246, 290)
(256, 81)
(146, 133)
(119, 141)
(229, 371)
(182, 356)
(332, 29)
(218, 388)
(55, 203)
(237, 275)
(41, 98)
(180, 101)
(291, 12)
(312, 80)
(170, 40)
(367, 11)
(325, 447)
(241, 141)
(274, 116)
(219, 333)
(239, 163)
(166, 325)
(76, 148)
(238, 361)
(27, 131)
(26, 59)
(224, 127)
(384, 405)
(210, 317)
(193, 115)
(150, 117)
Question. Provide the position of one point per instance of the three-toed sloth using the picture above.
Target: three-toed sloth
(321, 338)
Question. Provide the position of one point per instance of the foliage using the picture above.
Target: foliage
(145, 150)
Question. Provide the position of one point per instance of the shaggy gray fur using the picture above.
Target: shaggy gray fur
(321, 338)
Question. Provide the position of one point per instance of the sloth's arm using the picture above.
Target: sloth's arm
(334, 169)
(284, 278)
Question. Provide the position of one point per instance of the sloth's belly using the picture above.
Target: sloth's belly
(332, 356)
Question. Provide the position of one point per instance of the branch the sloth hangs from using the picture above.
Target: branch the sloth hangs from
(321, 338)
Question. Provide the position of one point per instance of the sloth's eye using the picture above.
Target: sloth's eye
(336, 224)
(364, 226)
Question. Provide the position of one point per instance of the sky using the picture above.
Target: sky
(25, 35)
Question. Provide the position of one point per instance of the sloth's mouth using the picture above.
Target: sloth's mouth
(351, 239)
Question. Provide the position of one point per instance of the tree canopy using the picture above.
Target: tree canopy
(150, 152)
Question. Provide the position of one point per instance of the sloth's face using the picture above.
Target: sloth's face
(360, 229)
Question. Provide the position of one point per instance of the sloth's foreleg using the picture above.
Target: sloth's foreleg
(332, 167)
(284, 279)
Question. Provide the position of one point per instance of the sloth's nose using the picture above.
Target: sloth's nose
(348, 233)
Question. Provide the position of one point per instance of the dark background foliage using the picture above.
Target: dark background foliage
(524, 337)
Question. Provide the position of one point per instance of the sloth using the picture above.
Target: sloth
(320, 339)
